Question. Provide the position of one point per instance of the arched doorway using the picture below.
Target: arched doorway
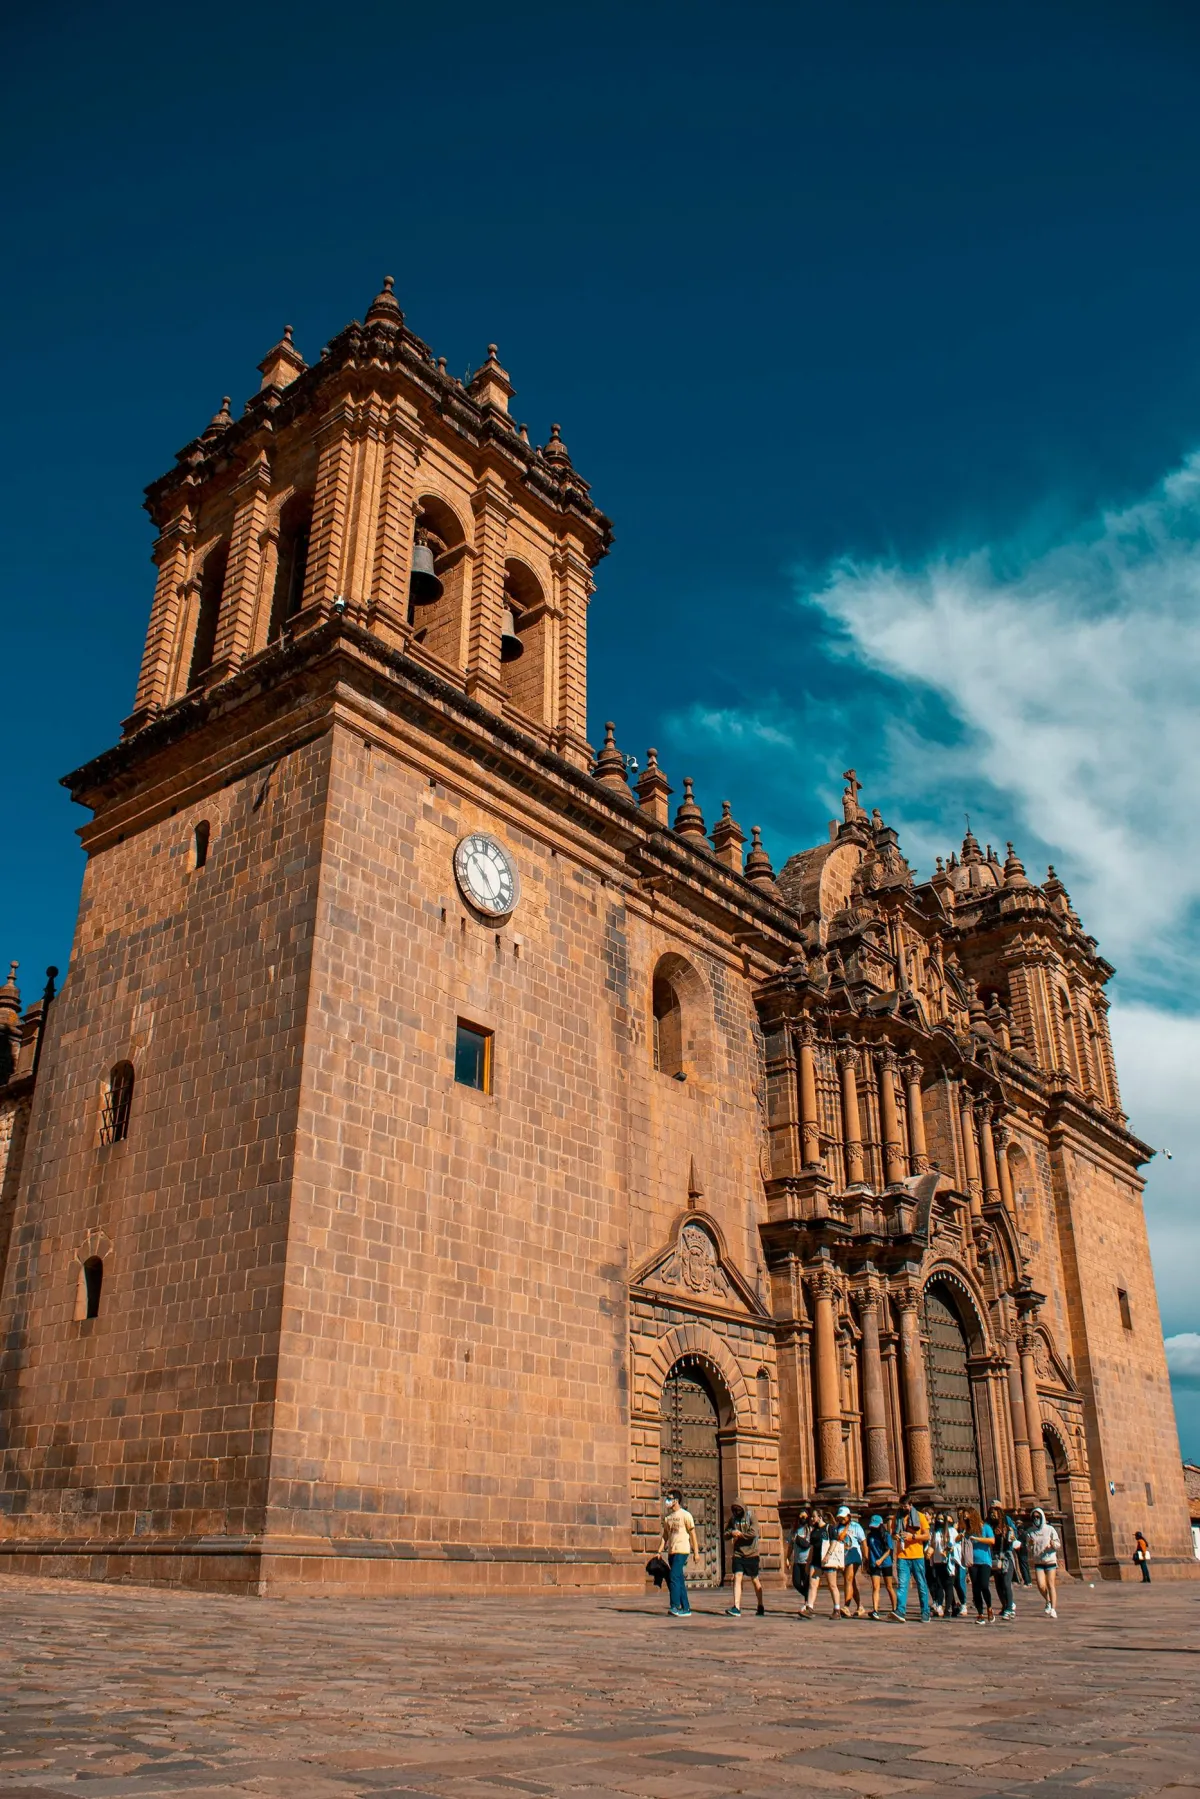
(691, 1461)
(1060, 1508)
(951, 1413)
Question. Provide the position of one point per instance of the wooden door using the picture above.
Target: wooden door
(951, 1414)
(691, 1461)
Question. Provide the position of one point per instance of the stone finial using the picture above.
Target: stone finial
(689, 820)
(610, 763)
(556, 449)
(758, 863)
(1014, 870)
(975, 1007)
(971, 852)
(728, 838)
(281, 364)
(490, 385)
(10, 995)
(385, 307)
(220, 421)
(653, 791)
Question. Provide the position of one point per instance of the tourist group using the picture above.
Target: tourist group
(953, 1558)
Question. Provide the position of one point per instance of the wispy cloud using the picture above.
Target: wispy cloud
(1183, 1358)
(1073, 677)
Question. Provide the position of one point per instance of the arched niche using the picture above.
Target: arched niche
(442, 625)
(680, 1020)
(526, 676)
(292, 542)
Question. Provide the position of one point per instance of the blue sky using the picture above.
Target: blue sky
(876, 329)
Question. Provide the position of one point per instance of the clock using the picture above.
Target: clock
(486, 875)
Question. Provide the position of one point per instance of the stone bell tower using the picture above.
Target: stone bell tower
(317, 500)
(274, 1269)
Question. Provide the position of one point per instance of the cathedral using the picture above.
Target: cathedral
(441, 1143)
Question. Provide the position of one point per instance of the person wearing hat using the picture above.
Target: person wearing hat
(881, 1545)
(854, 1537)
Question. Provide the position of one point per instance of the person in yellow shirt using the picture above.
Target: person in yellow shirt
(912, 1532)
(677, 1542)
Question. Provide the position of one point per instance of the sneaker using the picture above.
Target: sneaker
(924, 1617)
(876, 1616)
(837, 1612)
(761, 1612)
(1050, 1609)
(733, 1611)
(939, 1611)
(981, 1619)
(899, 1617)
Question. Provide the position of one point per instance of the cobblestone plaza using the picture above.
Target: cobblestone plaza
(121, 1692)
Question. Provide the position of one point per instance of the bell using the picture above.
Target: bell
(423, 584)
(510, 644)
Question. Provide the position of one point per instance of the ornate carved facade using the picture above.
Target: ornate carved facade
(366, 1233)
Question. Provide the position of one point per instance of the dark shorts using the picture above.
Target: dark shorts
(746, 1564)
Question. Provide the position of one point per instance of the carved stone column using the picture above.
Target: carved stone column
(1033, 1407)
(1020, 1430)
(391, 561)
(918, 1156)
(235, 629)
(970, 1154)
(895, 1410)
(831, 1449)
(1003, 1137)
(796, 1470)
(878, 1465)
(894, 1166)
(493, 510)
(331, 521)
(810, 1123)
(918, 1444)
(574, 586)
(991, 1178)
(172, 554)
(851, 1122)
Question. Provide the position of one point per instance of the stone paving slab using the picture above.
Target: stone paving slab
(132, 1693)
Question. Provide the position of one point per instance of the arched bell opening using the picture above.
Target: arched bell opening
(523, 659)
(438, 581)
(206, 612)
(1060, 1502)
(291, 563)
(696, 1455)
(952, 1335)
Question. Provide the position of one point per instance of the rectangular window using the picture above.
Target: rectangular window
(1149, 1494)
(1126, 1314)
(473, 1057)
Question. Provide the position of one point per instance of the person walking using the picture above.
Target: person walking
(911, 1537)
(982, 1539)
(880, 1549)
(821, 1529)
(742, 1536)
(1141, 1555)
(799, 1544)
(937, 1559)
(1044, 1544)
(677, 1543)
(1003, 1559)
(956, 1579)
(833, 1559)
(854, 1537)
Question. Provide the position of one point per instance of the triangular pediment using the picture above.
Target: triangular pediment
(1051, 1368)
(693, 1267)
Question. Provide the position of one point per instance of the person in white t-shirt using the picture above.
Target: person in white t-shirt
(678, 1541)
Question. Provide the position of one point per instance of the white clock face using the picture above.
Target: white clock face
(486, 875)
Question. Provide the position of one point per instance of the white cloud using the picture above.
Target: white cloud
(1073, 675)
(1183, 1358)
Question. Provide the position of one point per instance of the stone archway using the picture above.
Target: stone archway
(1060, 1501)
(691, 1453)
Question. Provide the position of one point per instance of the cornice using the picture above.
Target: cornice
(340, 652)
(358, 361)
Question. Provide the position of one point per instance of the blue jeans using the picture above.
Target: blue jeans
(911, 1570)
(677, 1583)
